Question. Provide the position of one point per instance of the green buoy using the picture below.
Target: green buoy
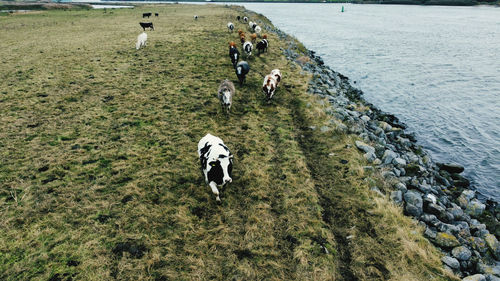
(342, 9)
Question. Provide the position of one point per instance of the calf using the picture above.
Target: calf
(262, 46)
(225, 94)
(242, 38)
(242, 69)
(146, 15)
(230, 26)
(216, 162)
(144, 25)
(141, 40)
(247, 46)
(233, 53)
(156, 14)
(253, 37)
(269, 86)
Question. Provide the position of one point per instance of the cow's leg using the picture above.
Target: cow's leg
(215, 191)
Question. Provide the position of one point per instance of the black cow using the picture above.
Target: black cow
(234, 54)
(156, 14)
(144, 15)
(144, 25)
(242, 69)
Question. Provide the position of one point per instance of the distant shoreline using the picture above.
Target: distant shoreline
(382, 2)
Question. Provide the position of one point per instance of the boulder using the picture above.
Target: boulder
(478, 244)
(446, 240)
(451, 167)
(493, 245)
(389, 156)
(365, 147)
(475, 277)
(430, 233)
(399, 162)
(489, 269)
(475, 208)
(461, 253)
(451, 262)
(397, 197)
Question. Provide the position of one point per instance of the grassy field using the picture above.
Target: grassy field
(99, 176)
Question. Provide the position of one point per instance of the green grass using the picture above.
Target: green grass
(99, 172)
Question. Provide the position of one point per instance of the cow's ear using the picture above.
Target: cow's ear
(231, 156)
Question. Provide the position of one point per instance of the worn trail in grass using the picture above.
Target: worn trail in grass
(99, 172)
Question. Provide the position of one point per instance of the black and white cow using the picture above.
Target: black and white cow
(247, 47)
(233, 53)
(216, 162)
(230, 26)
(262, 46)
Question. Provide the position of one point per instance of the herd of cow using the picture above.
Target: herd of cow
(215, 157)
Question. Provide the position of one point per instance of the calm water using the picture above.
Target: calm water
(436, 68)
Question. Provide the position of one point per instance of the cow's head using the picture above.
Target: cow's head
(220, 167)
(226, 96)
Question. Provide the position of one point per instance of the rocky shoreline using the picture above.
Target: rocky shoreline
(455, 220)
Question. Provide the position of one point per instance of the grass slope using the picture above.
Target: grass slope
(99, 172)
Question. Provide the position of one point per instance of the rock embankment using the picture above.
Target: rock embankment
(435, 194)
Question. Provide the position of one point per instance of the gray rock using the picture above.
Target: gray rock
(396, 172)
(429, 233)
(399, 162)
(475, 277)
(457, 213)
(490, 277)
(475, 208)
(413, 210)
(461, 253)
(493, 244)
(451, 262)
(450, 167)
(389, 156)
(365, 147)
(431, 198)
(401, 186)
(377, 191)
(397, 197)
(388, 174)
(478, 244)
(448, 228)
(446, 240)
(413, 198)
(365, 118)
(430, 219)
(489, 269)
(433, 209)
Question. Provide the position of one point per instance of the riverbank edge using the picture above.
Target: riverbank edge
(465, 229)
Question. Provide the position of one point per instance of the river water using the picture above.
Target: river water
(436, 68)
